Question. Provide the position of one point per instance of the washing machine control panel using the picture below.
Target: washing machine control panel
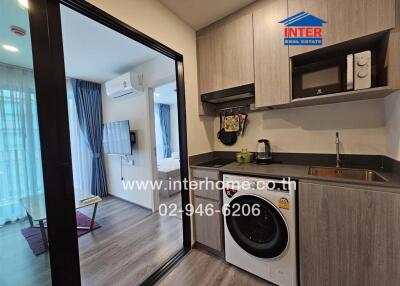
(234, 183)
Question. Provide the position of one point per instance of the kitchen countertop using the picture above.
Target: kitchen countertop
(300, 172)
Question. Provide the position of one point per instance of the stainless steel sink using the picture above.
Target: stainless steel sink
(346, 173)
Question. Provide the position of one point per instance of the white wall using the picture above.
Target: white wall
(134, 109)
(155, 20)
(137, 110)
(392, 117)
(312, 129)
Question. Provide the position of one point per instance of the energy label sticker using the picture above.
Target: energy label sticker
(283, 203)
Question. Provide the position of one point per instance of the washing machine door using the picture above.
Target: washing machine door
(264, 235)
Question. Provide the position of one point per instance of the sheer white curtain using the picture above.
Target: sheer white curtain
(81, 155)
(20, 156)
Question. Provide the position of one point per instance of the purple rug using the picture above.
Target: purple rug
(34, 237)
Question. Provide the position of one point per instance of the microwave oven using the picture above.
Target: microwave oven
(342, 73)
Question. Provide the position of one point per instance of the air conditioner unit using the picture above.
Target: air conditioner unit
(129, 83)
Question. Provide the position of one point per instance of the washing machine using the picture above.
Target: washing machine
(260, 227)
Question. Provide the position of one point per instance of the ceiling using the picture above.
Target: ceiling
(201, 13)
(166, 93)
(96, 53)
(12, 13)
(92, 51)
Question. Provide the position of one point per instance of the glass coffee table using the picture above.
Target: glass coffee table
(36, 211)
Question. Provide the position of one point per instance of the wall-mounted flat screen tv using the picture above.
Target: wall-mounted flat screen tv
(116, 138)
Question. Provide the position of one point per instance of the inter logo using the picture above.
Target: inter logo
(303, 29)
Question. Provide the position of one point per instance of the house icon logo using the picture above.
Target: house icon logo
(303, 29)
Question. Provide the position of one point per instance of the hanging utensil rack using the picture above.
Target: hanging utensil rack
(232, 108)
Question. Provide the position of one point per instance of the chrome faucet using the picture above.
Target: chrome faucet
(337, 150)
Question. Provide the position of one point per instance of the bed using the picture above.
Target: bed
(169, 169)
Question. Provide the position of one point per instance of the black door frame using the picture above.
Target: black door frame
(48, 66)
(48, 62)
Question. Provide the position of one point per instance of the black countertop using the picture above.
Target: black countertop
(301, 172)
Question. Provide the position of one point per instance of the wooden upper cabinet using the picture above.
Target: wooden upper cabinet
(346, 19)
(271, 57)
(225, 54)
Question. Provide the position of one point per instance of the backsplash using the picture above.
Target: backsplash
(312, 129)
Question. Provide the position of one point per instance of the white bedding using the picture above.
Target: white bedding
(168, 164)
(169, 170)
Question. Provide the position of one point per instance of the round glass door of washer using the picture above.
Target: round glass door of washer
(263, 233)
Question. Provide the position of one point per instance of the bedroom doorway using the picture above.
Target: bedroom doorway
(166, 145)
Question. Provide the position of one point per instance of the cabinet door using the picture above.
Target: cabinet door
(348, 236)
(346, 19)
(208, 228)
(206, 189)
(225, 55)
(271, 59)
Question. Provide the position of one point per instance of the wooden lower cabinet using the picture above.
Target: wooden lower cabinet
(348, 235)
(209, 228)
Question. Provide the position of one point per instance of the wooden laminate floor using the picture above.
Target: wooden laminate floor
(130, 245)
(18, 265)
(199, 268)
(131, 248)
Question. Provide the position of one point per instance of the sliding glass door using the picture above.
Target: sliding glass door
(24, 244)
(38, 244)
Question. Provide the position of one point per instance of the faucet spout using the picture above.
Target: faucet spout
(337, 150)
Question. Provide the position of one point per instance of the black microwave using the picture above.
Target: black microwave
(342, 73)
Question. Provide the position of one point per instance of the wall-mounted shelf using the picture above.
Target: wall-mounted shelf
(354, 95)
(362, 94)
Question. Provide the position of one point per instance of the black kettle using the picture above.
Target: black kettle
(263, 153)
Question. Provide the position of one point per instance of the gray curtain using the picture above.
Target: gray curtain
(164, 112)
(88, 105)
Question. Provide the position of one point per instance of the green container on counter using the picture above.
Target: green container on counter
(244, 156)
